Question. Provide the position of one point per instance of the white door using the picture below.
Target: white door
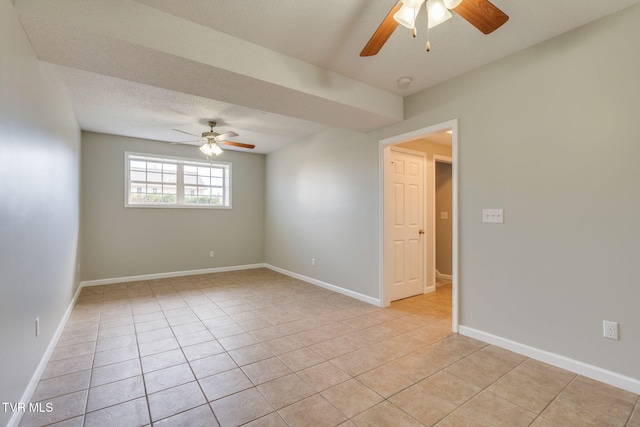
(405, 222)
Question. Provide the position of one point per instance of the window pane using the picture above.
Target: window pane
(154, 177)
(138, 188)
(169, 189)
(205, 200)
(216, 172)
(217, 182)
(168, 177)
(190, 169)
(204, 180)
(153, 198)
(204, 171)
(136, 164)
(138, 176)
(190, 179)
(154, 166)
(170, 168)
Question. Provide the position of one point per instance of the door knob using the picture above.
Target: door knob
(421, 231)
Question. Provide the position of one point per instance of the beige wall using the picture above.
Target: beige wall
(322, 203)
(444, 203)
(122, 242)
(39, 207)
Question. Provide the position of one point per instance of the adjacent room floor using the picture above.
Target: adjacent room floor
(258, 348)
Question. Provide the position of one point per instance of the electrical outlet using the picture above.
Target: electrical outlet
(37, 326)
(211, 254)
(313, 261)
(610, 329)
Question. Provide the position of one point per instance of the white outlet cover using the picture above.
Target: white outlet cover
(495, 216)
(610, 329)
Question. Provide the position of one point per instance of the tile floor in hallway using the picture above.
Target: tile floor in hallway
(258, 348)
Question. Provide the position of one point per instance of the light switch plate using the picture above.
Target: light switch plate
(444, 215)
(495, 216)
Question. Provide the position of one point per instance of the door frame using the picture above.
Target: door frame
(383, 157)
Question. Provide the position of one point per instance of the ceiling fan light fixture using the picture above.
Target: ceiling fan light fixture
(211, 149)
(406, 17)
(438, 13)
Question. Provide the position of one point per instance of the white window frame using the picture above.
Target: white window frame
(180, 185)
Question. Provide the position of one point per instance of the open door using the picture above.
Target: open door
(404, 213)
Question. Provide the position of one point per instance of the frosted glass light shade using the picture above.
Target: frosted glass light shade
(406, 16)
(438, 13)
(211, 149)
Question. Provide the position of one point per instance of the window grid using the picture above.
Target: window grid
(152, 181)
(172, 182)
(204, 184)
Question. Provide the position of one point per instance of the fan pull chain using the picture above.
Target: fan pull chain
(415, 15)
(426, 6)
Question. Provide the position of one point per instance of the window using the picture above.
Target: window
(153, 181)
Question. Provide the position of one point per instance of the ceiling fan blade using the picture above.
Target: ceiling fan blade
(224, 136)
(188, 133)
(382, 34)
(482, 14)
(197, 142)
(238, 144)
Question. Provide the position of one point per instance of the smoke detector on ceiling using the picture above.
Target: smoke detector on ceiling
(404, 82)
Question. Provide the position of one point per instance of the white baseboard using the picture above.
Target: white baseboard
(590, 371)
(169, 274)
(35, 378)
(443, 276)
(334, 288)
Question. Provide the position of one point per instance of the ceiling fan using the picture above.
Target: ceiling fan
(482, 14)
(210, 140)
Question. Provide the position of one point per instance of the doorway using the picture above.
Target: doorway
(387, 255)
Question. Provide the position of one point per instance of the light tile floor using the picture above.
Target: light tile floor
(258, 348)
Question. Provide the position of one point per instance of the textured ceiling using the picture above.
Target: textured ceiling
(273, 71)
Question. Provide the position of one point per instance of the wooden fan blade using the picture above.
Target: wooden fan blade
(482, 14)
(382, 34)
(238, 144)
(192, 134)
